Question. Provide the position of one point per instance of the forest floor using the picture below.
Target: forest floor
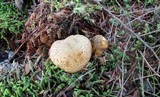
(129, 67)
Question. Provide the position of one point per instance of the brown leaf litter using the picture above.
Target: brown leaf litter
(44, 27)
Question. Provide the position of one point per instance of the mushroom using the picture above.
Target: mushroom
(99, 44)
(71, 54)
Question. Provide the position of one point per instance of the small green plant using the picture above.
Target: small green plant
(11, 20)
(79, 7)
(24, 87)
(138, 45)
(158, 26)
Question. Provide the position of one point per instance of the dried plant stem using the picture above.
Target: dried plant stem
(144, 77)
(149, 66)
(123, 69)
(156, 31)
(156, 46)
(142, 74)
(143, 15)
(137, 11)
(153, 95)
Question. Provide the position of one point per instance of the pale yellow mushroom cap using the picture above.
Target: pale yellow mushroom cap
(99, 44)
(71, 54)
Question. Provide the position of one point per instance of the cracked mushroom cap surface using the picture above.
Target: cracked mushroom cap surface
(71, 54)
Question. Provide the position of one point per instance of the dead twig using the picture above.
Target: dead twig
(149, 66)
(144, 77)
(136, 11)
(142, 74)
(123, 69)
(151, 11)
(156, 31)
(153, 95)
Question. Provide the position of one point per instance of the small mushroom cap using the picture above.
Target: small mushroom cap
(99, 42)
(71, 54)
